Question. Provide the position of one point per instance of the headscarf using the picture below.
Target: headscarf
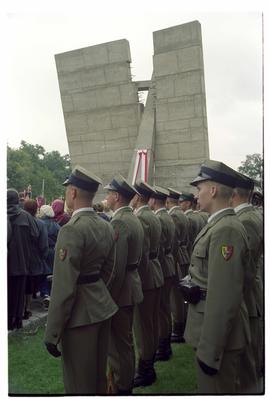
(60, 216)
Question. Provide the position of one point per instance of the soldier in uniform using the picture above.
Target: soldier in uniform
(186, 202)
(81, 306)
(217, 323)
(127, 287)
(157, 202)
(146, 320)
(252, 356)
(201, 216)
(181, 261)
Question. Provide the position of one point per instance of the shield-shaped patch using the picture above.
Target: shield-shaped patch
(62, 253)
(227, 251)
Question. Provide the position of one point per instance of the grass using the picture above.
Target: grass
(33, 371)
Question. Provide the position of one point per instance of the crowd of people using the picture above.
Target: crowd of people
(149, 264)
(32, 234)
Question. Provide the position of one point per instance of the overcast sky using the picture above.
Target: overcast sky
(232, 48)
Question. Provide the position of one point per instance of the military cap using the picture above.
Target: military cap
(173, 193)
(144, 188)
(160, 193)
(244, 182)
(120, 185)
(185, 196)
(218, 172)
(83, 179)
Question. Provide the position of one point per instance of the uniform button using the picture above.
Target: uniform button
(55, 335)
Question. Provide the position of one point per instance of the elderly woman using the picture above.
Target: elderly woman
(46, 215)
(60, 216)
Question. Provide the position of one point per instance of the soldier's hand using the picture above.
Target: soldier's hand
(206, 369)
(52, 349)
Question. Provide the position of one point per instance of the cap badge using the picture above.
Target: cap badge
(227, 251)
(62, 254)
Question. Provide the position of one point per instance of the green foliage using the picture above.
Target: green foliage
(33, 371)
(252, 167)
(30, 164)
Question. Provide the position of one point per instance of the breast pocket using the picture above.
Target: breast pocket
(199, 260)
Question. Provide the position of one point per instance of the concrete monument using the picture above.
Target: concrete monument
(110, 131)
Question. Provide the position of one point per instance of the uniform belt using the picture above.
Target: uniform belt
(152, 255)
(132, 266)
(87, 279)
(168, 251)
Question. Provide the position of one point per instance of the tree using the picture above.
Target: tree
(253, 167)
(31, 164)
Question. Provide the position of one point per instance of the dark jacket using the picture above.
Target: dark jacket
(39, 249)
(23, 230)
(52, 230)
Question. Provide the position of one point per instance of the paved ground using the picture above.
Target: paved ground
(38, 318)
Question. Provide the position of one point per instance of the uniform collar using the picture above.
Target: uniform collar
(241, 206)
(217, 213)
(188, 211)
(174, 207)
(213, 220)
(141, 207)
(159, 210)
(122, 208)
(88, 209)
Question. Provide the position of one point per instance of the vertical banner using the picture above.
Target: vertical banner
(142, 163)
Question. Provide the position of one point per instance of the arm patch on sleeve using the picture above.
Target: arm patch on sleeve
(227, 251)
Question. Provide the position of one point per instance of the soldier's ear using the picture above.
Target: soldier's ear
(213, 190)
(117, 196)
(233, 197)
(74, 193)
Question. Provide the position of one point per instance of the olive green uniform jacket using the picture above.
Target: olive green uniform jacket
(253, 292)
(149, 269)
(85, 246)
(253, 295)
(204, 216)
(193, 228)
(180, 251)
(166, 242)
(218, 264)
(201, 220)
(181, 259)
(127, 287)
(127, 292)
(146, 316)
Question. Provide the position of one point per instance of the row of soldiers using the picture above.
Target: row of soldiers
(115, 280)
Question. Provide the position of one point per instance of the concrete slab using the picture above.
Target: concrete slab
(105, 121)
(92, 77)
(177, 37)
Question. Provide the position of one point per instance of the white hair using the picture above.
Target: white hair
(46, 210)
